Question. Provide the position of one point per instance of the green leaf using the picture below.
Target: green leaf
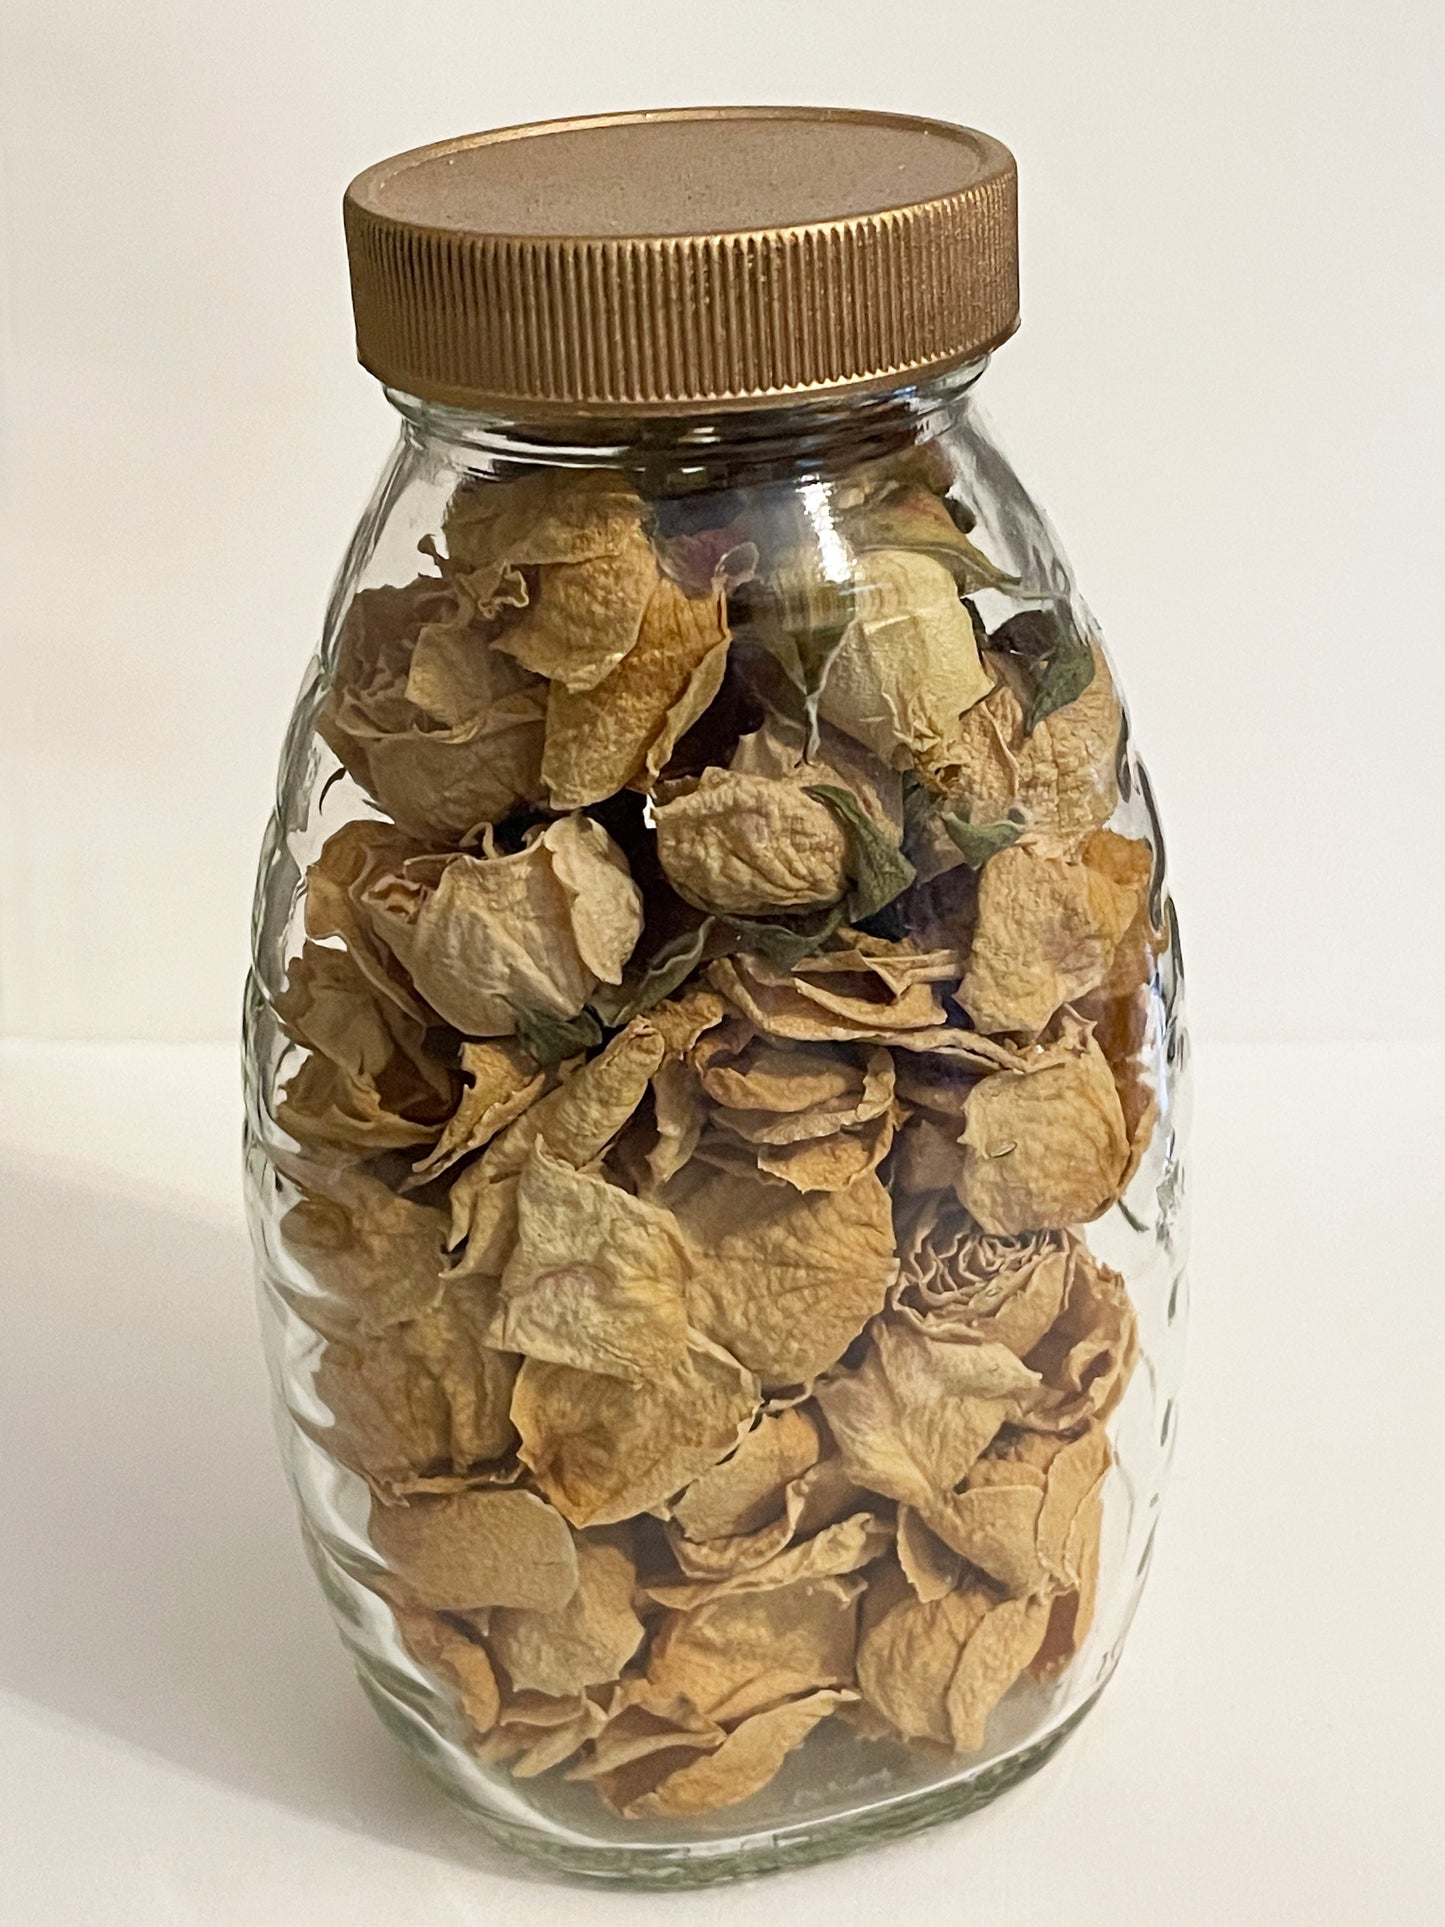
(552, 1039)
(879, 869)
(1056, 662)
(786, 944)
(977, 842)
(669, 964)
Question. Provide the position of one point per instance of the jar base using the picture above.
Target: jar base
(751, 1851)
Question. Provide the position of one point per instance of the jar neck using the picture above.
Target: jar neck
(682, 453)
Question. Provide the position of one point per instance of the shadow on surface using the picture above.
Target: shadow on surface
(155, 1585)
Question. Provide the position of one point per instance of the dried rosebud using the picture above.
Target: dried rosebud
(443, 730)
(486, 938)
(751, 844)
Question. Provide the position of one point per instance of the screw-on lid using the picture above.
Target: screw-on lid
(697, 258)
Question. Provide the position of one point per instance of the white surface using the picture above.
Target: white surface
(1227, 393)
(182, 1745)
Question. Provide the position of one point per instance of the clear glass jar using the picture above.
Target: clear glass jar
(715, 1080)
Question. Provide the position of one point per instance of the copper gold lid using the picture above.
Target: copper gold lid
(698, 258)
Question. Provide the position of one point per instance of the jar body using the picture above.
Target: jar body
(715, 1106)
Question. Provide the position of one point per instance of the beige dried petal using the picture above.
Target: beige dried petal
(576, 1122)
(487, 937)
(832, 1163)
(1045, 1146)
(792, 1096)
(490, 1548)
(920, 1409)
(421, 1400)
(351, 859)
(459, 1660)
(994, 1525)
(928, 1158)
(603, 1449)
(679, 1112)
(1088, 1356)
(1049, 922)
(445, 743)
(368, 1082)
(502, 1080)
(752, 845)
(779, 748)
(746, 1761)
(743, 1652)
(596, 1277)
(816, 1497)
(640, 1723)
(745, 1491)
(1062, 777)
(376, 1257)
(537, 1731)
(908, 665)
(549, 515)
(803, 1008)
(583, 1643)
(930, 1567)
(908, 1657)
(840, 1548)
(584, 617)
(601, 739)
(996, 1655)
(1005, 1289)
(1072, 1613)
(682, 1019)
(1074, 1477)
(744, 1073)
(909, 515)
(783, 1279)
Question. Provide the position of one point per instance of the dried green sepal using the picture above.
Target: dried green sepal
(551, 1040)
(1056, 662)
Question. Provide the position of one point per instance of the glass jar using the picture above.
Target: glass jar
(714, 1044)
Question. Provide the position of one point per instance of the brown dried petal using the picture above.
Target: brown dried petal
(1088, 1356)
(745, 1491)
(603, 1449)
(807, 1009)
(839, 1548)
(1049, 922)
(491, 1548)
(539, 1731)
(784, 1280)
(752, 844)
(745, 1762)
(1045, 1146)
(930, 1567)
(743, 1652)
(919, 1410)
(679, 1113)
(583, 1643)
(601, 739)
(595, 1279)
(936, 1669)
(378, 1257)
(1072, 1613)
(420, 1400)
(460, 1660)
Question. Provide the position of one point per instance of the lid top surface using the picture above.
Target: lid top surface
(697, 171)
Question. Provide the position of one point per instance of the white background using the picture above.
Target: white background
(1227, 392)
